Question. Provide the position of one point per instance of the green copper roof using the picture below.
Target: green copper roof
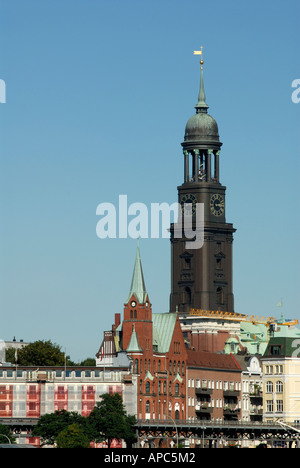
(163, 329)
(134, 345)
(255, 336)
(280, 346)
(138, 288)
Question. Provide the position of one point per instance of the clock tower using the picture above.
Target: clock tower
(201, 278)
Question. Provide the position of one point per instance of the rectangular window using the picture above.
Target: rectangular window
(279, 406)
(269, 406)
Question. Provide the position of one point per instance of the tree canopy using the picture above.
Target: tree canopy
(39, 353)
(73, 436)
(43, 353)
(107, 421)
(51, 425)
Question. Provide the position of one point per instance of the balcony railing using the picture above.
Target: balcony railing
(203, 408)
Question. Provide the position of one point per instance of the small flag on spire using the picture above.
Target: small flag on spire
(279, 304)
(198, 52)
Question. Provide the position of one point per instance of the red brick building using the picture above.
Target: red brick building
(155, 347)
(213, 386)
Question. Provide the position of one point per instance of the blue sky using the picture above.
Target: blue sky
(97, 97)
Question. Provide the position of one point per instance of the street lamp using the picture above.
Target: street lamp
(168, 416)
(3, 435)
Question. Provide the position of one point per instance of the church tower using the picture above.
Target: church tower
(201, 278)
(137, 321)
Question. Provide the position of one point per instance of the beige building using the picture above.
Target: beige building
(281, 380)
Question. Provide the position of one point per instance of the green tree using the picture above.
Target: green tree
(51, 425)
(73, 436)
(88, 362)
(110, 420)
(5, 434)
(130, 435)
(39, 353)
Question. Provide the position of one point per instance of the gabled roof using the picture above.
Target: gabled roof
(138, 288)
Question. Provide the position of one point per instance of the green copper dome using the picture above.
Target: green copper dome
(201, 126)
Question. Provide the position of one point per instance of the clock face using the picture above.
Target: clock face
(188, 198)
(217, 204)
(133, 304)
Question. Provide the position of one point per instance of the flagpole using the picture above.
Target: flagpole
(16, 359)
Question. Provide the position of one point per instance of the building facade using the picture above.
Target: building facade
(28, 393)
(281, 380)
(214, 390)
(154, 345)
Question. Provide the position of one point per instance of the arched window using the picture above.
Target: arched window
(177, 389)
(136, 366)
(279, 386)
(147, 387)
(135, 314)
(147, 406)
(131, 314)
(269, 386)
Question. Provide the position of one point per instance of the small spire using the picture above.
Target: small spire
(138, 287)
(134, 345)
(201, 106)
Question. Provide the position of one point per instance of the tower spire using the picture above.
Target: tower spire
(138, 288)
(201, 106)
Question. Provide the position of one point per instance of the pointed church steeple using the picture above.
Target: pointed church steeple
(138, 288)
(201, 106)
(137, 323)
